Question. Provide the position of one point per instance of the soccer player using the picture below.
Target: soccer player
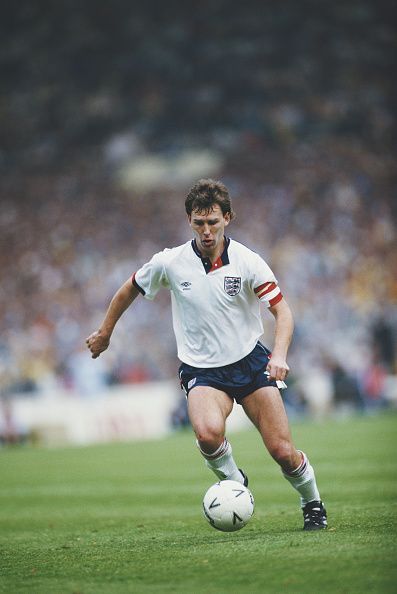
(217, 287)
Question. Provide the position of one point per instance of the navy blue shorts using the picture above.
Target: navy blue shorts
(237, 379)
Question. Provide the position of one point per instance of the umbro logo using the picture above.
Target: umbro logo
(186, 286)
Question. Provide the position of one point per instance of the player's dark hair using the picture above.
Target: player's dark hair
(205, 194)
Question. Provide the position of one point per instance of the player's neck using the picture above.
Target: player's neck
(214, 254)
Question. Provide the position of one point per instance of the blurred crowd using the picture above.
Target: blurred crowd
(295, 105)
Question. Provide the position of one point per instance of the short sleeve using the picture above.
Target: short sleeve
(265, 284)
(151, 276)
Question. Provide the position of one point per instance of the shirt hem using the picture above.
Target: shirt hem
(193, 363)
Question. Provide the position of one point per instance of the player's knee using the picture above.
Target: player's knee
(283, 453)
(210, 435)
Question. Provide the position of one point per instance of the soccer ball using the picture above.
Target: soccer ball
(228, 505)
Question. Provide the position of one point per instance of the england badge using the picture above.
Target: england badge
(232, 285)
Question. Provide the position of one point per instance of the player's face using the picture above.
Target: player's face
(209, 229)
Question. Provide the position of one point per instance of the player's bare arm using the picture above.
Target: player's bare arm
(99, 341)
(277, 366)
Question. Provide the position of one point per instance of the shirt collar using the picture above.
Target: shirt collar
(223, 259)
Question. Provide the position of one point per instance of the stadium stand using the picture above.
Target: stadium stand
(296, 105)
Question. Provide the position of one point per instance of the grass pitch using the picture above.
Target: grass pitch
(127, 518)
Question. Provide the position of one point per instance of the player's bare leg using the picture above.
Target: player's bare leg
(266, 410)
(208, 410)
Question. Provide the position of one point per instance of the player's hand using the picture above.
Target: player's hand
(277, 368)
(97, 343)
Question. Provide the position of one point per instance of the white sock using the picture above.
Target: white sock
(222, 463)
(304, 481)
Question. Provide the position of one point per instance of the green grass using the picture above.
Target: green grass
(127, 518)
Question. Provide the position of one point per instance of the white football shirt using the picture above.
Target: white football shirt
(215, 307)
